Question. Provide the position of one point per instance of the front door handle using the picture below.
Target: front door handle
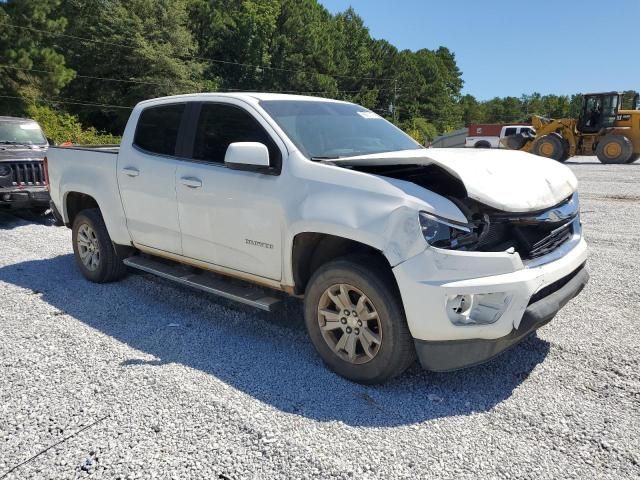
(191, 182)
(130, 171)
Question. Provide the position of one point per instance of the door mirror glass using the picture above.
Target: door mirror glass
(247, 156)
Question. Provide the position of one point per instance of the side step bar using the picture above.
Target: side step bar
(208, 282)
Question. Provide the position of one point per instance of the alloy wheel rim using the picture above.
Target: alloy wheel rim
(88, 247)
(349, 323)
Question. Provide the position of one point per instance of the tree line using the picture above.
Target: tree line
(90, 61)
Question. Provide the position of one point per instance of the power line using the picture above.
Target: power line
(206, 59)
(70, 101)
(87, 76)
(36, 70)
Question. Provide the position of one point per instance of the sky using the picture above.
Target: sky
(514, 47)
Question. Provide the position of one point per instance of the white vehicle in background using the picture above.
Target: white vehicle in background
(491, 135)
(399, 251)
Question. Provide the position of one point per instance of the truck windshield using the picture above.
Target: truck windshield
(327, 130)
(21, 133)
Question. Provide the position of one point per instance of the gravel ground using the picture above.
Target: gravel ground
(177, 384)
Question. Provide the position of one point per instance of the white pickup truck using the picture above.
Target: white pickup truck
(491, 136)
(398, 251)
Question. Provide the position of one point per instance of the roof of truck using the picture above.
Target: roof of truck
(251, 97)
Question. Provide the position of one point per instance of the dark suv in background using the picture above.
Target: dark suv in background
(23, 184)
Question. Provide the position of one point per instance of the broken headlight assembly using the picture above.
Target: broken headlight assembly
(443, 233)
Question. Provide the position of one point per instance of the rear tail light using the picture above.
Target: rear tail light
(45, 163)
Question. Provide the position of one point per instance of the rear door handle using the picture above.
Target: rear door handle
(191, 182)
(130, 171)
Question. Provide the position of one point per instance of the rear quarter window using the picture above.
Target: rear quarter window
(157, 129)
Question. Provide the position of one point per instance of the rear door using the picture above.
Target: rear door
(146, 178)
(231, 218)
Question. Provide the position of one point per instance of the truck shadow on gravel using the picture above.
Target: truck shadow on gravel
(267, 356)
(10, 219)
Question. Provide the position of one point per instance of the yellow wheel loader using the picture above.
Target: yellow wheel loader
(603, 129)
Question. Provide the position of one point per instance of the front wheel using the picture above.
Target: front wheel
(551, 146)
(356, 321)
(95, 254)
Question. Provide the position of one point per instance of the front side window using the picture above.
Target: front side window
(221, 125)
(157, 130)
(322, 129)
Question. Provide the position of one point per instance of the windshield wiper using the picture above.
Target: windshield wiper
(320, 158)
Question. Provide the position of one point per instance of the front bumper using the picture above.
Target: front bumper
(442, 356)
(28, 197)
(430, 279)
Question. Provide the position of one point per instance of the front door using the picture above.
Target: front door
(146, 178)
(228, 217)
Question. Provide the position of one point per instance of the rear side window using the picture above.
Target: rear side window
(157, 130)
(221, 125)
(510, 131)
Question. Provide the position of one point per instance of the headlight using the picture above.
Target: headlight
(443, 233)
(5, 170)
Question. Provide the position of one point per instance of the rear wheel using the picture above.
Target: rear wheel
(634, 157)
(482, 144)
(356, 322)
(94, 251)
(614, 149)
(551, 146)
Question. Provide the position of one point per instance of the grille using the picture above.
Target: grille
(536, 241)
(27, 173)
(552, 241)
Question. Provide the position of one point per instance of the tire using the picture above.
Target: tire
(516, 142)
(634, 157)
(567, 149)
(390, 351)
(482, 144)
(90, 238)
(550, 146)
(614, 149)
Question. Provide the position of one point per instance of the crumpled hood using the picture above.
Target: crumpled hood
(507, 180)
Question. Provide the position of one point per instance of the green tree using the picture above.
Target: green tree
(25, 48)
(145, 43)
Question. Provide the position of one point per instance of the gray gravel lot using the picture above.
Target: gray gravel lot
(183, 385)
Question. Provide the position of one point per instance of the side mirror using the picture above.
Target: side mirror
(251, 156)
(50, 141)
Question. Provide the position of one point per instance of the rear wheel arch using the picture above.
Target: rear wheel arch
(76, 202)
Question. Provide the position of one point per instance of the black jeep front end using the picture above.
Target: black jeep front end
(23, 183)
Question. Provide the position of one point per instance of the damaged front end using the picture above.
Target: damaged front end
(532, 234)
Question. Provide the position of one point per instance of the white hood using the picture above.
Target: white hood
(507, 180)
